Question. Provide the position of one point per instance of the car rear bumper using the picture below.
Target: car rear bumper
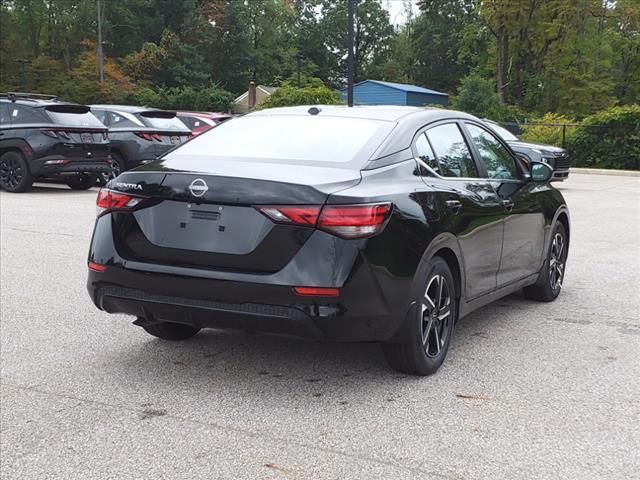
(252, 307)
(48, 166)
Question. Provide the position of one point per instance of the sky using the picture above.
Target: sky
(396, 10)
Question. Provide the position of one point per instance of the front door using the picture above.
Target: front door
(475, 213)
(523, 215)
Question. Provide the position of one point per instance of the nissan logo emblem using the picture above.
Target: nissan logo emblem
(198, 187)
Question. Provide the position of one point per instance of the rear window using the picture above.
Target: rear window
(164, 123)
(289, 138)
(75, 119)
(503, 132)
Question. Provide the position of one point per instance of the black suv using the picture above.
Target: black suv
(556, 157)
(42, 139)
(139, 134)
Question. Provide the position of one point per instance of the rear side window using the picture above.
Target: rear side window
(452, 152)
(4, 114)
(425, 153)
(290, 138)
(23, 114)
(497, 160)
(118, 120)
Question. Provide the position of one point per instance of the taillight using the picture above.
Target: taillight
(109, 200)
(56, 134)
(347, 221)
(354, 221)
(299, 215)
(145, 135)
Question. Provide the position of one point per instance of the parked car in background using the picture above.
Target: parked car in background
(200, 122)
(139, 134)
(42, 139)
(360, 224)
(556, 157)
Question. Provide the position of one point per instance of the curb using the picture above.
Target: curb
(602, 171)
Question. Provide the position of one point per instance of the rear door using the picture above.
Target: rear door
(475, 211)
(523, 215)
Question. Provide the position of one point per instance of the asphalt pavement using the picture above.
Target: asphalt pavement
(528, 390)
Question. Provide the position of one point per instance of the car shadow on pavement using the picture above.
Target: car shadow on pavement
(241, 363)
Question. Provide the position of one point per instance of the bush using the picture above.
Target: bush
(212, 98)
(616, 144)
(547, 134)
(287, 95)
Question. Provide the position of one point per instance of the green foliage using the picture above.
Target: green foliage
(548, 134)
(501, 112)
(608, 139)
(211, 98)
(476, 96)
(287, 95)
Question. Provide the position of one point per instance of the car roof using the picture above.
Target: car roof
(203, 114)
(124, 108)
(34, 102)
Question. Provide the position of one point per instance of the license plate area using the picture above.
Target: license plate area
(203, 227)
(86, 137)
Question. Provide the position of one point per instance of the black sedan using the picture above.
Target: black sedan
(379, 224)
(556, 157)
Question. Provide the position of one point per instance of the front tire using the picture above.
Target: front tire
(14, 173)
(171, 331)
(549, 284)
(117, 167)
(428, 335)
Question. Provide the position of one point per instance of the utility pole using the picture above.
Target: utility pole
(350, 9)
(100, 55)
(23, 71)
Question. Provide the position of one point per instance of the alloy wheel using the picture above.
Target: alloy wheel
(112, 173)
(10, 172)
(556, 262)
(436, 315)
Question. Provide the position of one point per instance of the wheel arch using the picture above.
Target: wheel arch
(446, 247)
(17, 147)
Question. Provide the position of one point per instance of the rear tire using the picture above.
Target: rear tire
(171, 331)
(14, 173)
(549, 284)
(117, 167)
(429, 332)
(82, 182)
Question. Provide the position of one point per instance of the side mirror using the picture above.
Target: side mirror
(540, 172)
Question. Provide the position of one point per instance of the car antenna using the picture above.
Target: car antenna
(314, 111)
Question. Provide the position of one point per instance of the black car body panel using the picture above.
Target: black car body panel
(58, 140)
(556, 157)
(210, 258)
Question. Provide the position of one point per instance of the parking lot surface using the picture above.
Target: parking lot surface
(528, 390)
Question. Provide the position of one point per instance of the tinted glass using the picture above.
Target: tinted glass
(117, 120)
(424, 152)
(164, 123)
(4, 114)
(290, 138)
(75, 119)
(23, 114)
(101, 115)
(452, 152)
(494, 155)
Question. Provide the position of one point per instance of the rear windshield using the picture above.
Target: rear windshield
(288, 138)
(164, 123)
(75, 119)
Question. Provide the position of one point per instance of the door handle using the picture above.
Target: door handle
(454, 206)
(508, 205)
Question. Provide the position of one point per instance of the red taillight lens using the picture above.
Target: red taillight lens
(145, 135)
(300, 215)
(108, 200)
(97, 267)
(354, 221)
(316, 291)
(157, 136)
(347, 221)
(56, 134)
